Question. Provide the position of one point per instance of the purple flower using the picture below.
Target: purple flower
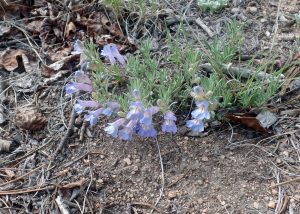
(82, 104)
(113, 128)
(111, 108)
(136, 111)
(196, 125)
(78, 47)
(148, 113)
(111, 51)
(201, 112)
(169, 123)
(127, 132)
(147, 130)
(81, 77)
(73, 87)
(136, 94)
(198, 93)
(94, 116)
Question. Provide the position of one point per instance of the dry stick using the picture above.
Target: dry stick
(62, 207)
(276, 27)
(66, 136)
(280, 195)
(147, 205)
(286, 182)
(285, 203)
(23, 191)
(162, 174)
(82, 130)
(22, 176)
(199, 22)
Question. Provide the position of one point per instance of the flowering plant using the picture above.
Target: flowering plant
(149, 96)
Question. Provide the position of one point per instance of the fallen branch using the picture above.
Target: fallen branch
(22, 176)
(67, 134)
(24, 191)
(61, 205)
(286, 182)
(199, 22)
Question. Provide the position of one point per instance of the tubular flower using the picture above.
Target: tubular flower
(78, 47)
(74, 87)
(82, 104)
(127, 132)
(196, 125)
(169, 123)
(201, 112)
(112, 53)
(111, 108)
(198, 93)
(94, 116)
(113, 128)
(136, 111)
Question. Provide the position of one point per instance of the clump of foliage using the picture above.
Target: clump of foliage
(212, 5)
(141, 95)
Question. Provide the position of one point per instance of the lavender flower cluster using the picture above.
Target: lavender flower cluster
(196, 124)
(139, 119)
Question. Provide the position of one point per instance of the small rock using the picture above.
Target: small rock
(127, 161)
(172, 194)
(200, 201)
(135, 170)
(268, 34)
(272, 204)
(204, 159)
(278, 160)
(255, 205)
(235, 10)
(102, 156)
(78, 121)
(200, 182)
(223, 203)
(285, 153)
(252, 10)
(266, 119)
(274, 192)
(263, 20)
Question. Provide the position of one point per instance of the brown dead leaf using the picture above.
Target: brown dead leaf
(30, 118)
(34, 26)
(10, 174)
(8, 58)
(58, 54)
(70, 28)
(46, 71)
(30, 67)
(50, 70)
(247, 119)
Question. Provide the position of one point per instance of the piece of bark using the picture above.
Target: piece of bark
(199, 22)
(61, 205)
(241, 72)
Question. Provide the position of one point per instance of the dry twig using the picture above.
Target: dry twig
(67, 134)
